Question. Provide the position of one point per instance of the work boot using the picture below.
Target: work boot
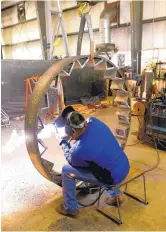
(68, 213)
(112, 201)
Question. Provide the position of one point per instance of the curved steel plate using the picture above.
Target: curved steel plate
(42, 86)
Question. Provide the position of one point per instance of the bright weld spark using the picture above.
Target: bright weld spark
(17, 138)
(47, 131)
(50, 130)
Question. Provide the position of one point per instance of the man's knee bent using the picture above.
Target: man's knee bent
(68, 171)
(67, 168)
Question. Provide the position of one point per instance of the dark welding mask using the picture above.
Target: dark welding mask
(62, 126)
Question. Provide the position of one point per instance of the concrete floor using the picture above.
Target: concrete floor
(29, 201)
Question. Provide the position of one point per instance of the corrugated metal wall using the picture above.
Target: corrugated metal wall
(21, 40)
(154, 34)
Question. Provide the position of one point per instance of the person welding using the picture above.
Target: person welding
(96, 157)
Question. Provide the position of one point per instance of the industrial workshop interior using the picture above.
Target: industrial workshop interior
(83, 115)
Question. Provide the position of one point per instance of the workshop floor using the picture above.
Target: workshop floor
(29, 201)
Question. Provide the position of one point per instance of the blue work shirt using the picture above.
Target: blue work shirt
(99, 145)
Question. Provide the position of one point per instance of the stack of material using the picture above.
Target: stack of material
(83, 109)
(95, 103)
(90, 100)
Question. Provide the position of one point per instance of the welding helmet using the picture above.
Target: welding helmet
(60, 124)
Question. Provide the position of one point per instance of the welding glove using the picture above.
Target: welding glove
(67, 150)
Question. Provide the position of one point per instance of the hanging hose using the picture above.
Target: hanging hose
(161, 144)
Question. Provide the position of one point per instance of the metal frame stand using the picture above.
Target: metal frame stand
(61, 23)
(5, 121)
(143, 201)
(118, 220)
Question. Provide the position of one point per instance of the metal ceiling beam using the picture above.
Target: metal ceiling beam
(64, 34)
(48, 23)
(13, 25)
(159, 19)
(1, 53)
(86, 31)
(121, 25)
(23, 42)
(45, 27)
(41, 17)
(71, 8)
(12, 4)
(136, 15)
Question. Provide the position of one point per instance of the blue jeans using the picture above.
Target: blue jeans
(69, 174)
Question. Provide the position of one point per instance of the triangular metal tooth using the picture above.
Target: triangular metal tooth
(116, 79)
(83, 63)
(122, 131)
(47, 164)
(101, 66)
(40, 125)
(111, 73)
(122, 92)
(77, 64)
(117, 83)
(63, 74)
(109, 66)
(71, 68)
(43, 145)
(90, 63)
(123, 117)
(122, 101)
(125, 111)
(122, 104)
(97, 60)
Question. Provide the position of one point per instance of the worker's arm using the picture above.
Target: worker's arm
(66, 149)
(70, 154)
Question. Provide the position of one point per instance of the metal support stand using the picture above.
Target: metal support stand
(85, 18)
(143, 201)
(5, 121)
(118, 220)
(62, 24)
(64, 35)
(48, 29)
(47, 36)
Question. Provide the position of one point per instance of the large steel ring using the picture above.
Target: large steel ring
(122, 99)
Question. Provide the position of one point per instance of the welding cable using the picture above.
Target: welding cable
(161, 144)
(139, 141)
(83, 205)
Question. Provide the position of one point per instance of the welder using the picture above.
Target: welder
(96, 157)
